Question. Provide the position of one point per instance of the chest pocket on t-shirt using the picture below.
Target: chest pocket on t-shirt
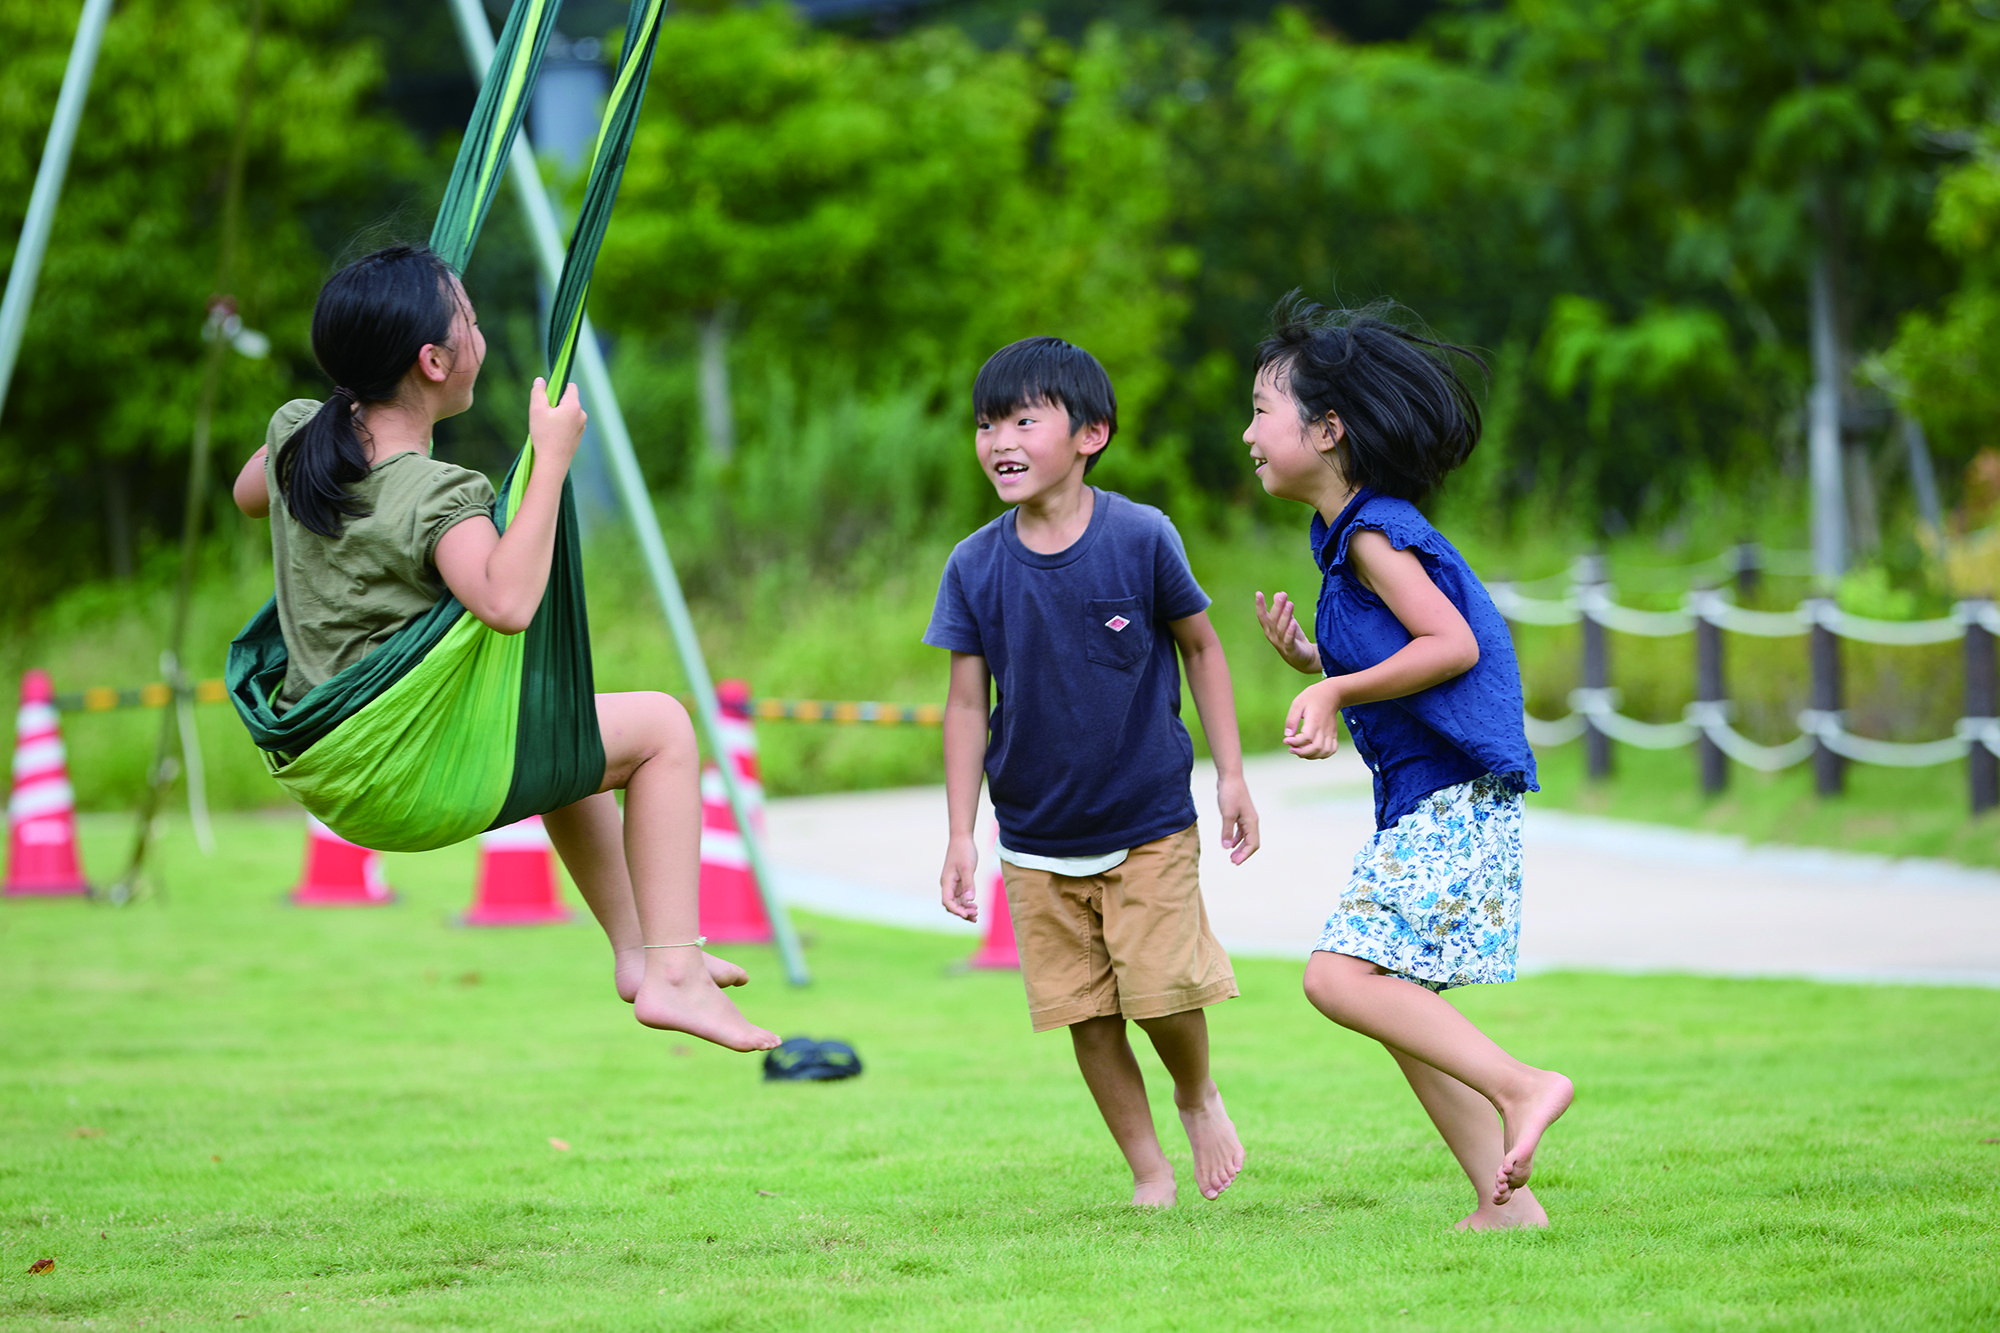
(1116, 632)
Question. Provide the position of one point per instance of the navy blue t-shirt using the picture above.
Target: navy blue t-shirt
(1085, 749)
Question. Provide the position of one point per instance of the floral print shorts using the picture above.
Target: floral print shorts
(1436, 899)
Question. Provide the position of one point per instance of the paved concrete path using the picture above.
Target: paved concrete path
(1600, 893)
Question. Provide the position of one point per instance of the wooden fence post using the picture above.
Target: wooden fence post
(1829, 769)
(1982, 700)
(1709, 688)
(1596, 670)
(1748, 559)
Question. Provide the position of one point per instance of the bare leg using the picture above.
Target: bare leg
(1182, 1042)
(649, 750)
(1112, 1073)
(590, 838)
(1401, 1014)
(1472, 1131)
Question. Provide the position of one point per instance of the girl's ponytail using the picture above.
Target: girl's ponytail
(372, 319)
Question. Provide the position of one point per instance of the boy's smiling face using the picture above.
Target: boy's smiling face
(1030, 454)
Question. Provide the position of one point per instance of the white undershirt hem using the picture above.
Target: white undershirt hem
(1076, 867)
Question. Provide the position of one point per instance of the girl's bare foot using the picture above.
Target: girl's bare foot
(1548, 1097)
(1218, 1153)
(679, 996)
(1520, 1210)
(1158, 1192)
(629, 968)
(723, 972)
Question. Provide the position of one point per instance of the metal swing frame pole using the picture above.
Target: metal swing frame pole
(27, 266)
(476, 32)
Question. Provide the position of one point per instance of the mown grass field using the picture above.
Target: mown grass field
(220, 1111)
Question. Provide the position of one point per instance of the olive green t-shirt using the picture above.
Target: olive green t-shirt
(340, 597)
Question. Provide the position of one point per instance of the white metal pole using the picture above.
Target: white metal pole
(27, 265)
(476, 31)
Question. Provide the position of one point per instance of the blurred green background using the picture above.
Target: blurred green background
(834, 213)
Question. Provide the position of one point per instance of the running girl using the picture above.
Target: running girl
(1359, 418)
(368, 531)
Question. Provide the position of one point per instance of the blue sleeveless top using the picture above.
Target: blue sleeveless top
(1450, 733)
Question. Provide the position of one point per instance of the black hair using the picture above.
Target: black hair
(1410, 418)
(372, 319)
(1047, 370)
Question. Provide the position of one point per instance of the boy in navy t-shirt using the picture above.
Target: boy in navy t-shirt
(1063, 617)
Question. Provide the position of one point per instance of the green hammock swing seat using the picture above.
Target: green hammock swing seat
(450, 727)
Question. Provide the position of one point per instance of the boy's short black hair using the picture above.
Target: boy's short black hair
(1410, 418)
(1047, 370)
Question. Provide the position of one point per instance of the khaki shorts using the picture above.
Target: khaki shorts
(1132, 942)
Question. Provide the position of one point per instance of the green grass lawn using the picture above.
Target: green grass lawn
(219, 1110)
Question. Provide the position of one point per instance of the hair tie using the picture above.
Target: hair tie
(342, 391)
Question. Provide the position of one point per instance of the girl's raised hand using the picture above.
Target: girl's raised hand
(1281, 626)
(1312, 726)
(557, 431)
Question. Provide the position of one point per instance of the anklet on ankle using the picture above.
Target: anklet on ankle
(694, 943)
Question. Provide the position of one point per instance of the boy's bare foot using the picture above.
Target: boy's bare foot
(1524, 1122)
(1159, 1192)
(1520, 1210)
(1218, 1153)
(680, 997)
(629, 968)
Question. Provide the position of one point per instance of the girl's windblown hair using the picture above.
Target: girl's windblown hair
(372, 319)
(1409, 416)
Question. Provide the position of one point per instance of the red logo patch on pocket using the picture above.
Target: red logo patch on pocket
(1116, 623)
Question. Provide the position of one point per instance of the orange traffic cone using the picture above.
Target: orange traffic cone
(41, 813)
(339, 873)
(997, 950)
(732, 911)
(517, 878)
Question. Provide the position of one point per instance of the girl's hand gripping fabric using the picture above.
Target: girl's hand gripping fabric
(556, 429)
(1280, 624)
(1312, 726)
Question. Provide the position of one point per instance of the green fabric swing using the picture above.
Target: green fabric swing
(451, 728)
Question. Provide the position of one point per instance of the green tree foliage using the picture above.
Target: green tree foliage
(1944, 361)
(881, 216)
(100, 411)
(1653, 178)
(1619, 200)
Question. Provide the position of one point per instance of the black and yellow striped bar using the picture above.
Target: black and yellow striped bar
(854, 712)
(850, 712)
(155, 694)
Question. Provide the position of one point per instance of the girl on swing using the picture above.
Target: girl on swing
(368, 531)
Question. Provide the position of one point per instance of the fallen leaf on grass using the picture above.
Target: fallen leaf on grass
(559, 1145)
(769, 1194)
(42, 1266)
(1990, 1140)
(468, 978)
(215, 1157)
(683, 1050)
(86, 1132)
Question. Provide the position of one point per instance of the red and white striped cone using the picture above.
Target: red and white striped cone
(517, 878)
(732, 911)
(997, 951)
(41, 812)
(339, 873)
